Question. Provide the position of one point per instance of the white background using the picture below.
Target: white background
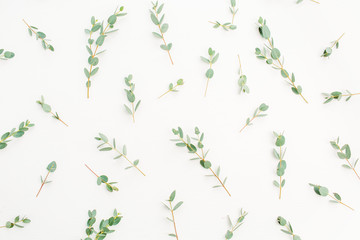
(301, 32)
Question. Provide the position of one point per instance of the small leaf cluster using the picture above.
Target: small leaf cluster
(328, 51)
(103, 32)
(233, 227)
(47, 109)
(41, 36)
(289, 230)
(280, 171)
(131, 96)
(172, 87)
(17, 221)
(110, 147)
(213, 57)
(23, 127)
(103, 225)
(337, 95)
(6, 55)
(242, 84)
(51, 168)
(172, 209)
(270, 55)
(343, 152)
(228, 25)
(158, 21)
(109, 185)
(258, 113)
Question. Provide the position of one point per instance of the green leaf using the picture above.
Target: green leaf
(275, 53)
(280, 141)
(18, 134)
(46, 107)
(323, 191)
(281, 221)
(87, 74)
(3, 145)
(178, 205)
(157, 35)
(164, 27)
(264, 31)
(263, 107)
(172, 196)
(229, 235)
(9, 55)
(112, 19)
(154, 19)
(209, 73)
(100, 40)
(284, 73)
(51, 167)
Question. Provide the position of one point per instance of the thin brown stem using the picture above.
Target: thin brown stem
(315, 1)
(280, 176)
(91, 170)
(59, 119)
(170, 90)
(250, 121)
(233, 15)
(240, 64)
(173, 218)
(350, 165)
(163, 38)
(35, 32)
(203, 159)
(43, 183)
(340, 202)
(287, 75)
(122, 155)
(207, 82)
(337, 40)
(133, 112)
(91, 66)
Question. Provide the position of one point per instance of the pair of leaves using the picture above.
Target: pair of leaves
(6, 55)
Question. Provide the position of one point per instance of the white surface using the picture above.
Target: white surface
(301, 32)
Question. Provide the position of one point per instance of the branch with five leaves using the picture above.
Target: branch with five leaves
(172, 207)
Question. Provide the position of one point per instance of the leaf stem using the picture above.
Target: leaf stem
(91, 66)
(280, 176)
(287, 75)
(348, 161)
(133, 112)
(202, 158)
(173, 218)
(240, 64)
(337, 40)
(250, 121)
(91, 170)
(47, 44)
(59, 119)
(340, 202)
(122, 155)
(43, 183)
(207, 82)
(170, 90)
(163, 38)
(315, 1)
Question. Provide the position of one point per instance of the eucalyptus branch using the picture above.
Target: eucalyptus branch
(199, 152)
(280, 142)
(23, 127)
(275, 57)
(6, 55)
(210, 72)
(47, 109)
(39, 35)
(328, 51)
(50, 168)
(172, 87)
(110, 147)
(337, 95)
(324, 192)
(93, 46)
(16, 223)
(258, 113)
(163, 27)
(103, 226)
(344, 152)
(299, 1)
(131, 97)
(289, 230)
(104, 179)
(172, 207)
(229, 25)
(242, 80)
(233, 227)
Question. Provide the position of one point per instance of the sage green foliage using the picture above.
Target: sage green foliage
(107, 146)
(99, 32)
(259, 112)
(213, 57)
(6, 137)
(328, 51)
(104, 225)
(195, 146)
(242, 80)
(172, 206)
(288, 228)
(279, 155)
(103, 179)
(155, 11)
(344, 153)
(228, 25)
(40, 35)
(131, 96)
(47, 108)
(50, 168)
(16, 222)
(6, 55)
(272, 55)
(234, 226)
(337, 95)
